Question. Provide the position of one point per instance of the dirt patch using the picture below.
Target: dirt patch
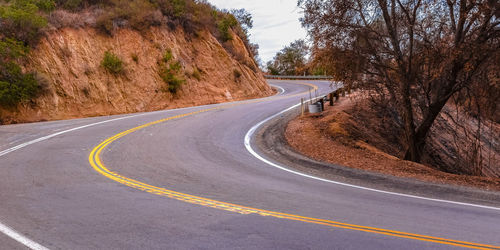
(333, 138)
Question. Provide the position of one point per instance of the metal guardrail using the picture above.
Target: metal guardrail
(279, 77)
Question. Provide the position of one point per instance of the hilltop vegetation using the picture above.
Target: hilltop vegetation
(24, 22)
(291, 60)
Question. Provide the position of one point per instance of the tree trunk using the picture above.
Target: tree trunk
(412, 153)
(409, 125)
(416, 145)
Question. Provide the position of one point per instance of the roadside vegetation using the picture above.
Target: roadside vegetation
(413, 60)
(21, 22)
(171, 72)
(24, 22)
(112, 63)
(291, 60)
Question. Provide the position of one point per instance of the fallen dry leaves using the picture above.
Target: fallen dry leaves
(327, 138)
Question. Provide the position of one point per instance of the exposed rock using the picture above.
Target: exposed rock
(78, 86)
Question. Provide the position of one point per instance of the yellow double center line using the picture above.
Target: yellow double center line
(95, 161)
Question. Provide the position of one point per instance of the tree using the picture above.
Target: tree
(245, 21)
(244, 18)
(418, 53)
(291, 60)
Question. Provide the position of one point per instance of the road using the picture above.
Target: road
(183, 179)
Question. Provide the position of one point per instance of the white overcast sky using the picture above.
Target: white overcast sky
(275, 23)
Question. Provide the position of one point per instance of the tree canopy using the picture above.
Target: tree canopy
(414, 54)
(291, 60)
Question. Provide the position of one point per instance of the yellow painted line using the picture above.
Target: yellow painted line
(98, 165)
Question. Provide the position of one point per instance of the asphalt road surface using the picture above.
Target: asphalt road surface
(183, 179)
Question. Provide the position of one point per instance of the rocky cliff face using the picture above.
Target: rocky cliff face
(78, 86)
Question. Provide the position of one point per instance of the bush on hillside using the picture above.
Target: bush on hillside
(171, 72)
(167, 56)
(192, 15)
(45, 5)
(226, 22)
(112, 63)
(21, 19)
(137, 14)
(24, 88)
(15, 86)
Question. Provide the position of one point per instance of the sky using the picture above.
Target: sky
(275, 23)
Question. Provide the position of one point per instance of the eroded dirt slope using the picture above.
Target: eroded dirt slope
(78, 86)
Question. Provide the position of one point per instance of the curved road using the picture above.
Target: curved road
(183, 179)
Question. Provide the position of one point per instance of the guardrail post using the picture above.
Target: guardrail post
(331, 99)
(310, 96)
(302, 106)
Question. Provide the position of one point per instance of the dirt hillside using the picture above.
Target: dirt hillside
(76, 85)
(353, 136)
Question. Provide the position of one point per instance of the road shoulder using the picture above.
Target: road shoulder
(270, 142)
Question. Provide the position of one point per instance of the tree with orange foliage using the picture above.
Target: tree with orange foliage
(419, 53)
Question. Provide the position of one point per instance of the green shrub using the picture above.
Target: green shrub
(20, 20)
(15, 86)
(173, 81)
(112, 63)
(167, 56)
(171, 72)
(224, 25)
(46, 5)
(11, 49)
(178, 8)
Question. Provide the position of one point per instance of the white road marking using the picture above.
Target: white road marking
(20, 238)
(248, 146)
(22, 145)
(11, 232)
(282, 89)
(35, 246)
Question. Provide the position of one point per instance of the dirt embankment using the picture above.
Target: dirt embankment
(349, 135)
(78, 86)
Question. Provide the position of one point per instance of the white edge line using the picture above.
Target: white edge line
(35, 246)
(22, 145)
(20, 238)
(8, 230)
(282, 89)
(248, 146)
